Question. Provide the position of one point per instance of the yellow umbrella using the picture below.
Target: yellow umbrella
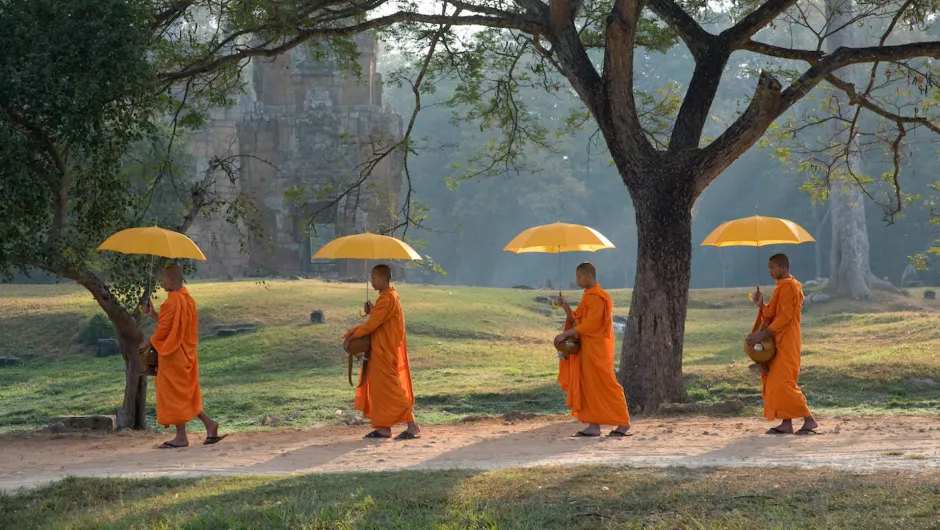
(368, 247)
(757, 231)
(556, 238)
(154, 241)
(559, 237)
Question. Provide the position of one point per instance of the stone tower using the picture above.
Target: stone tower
(302, 131)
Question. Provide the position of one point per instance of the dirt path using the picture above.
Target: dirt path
(865, 443)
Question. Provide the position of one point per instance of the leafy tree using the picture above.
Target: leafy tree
(83, 154)
(665, 163)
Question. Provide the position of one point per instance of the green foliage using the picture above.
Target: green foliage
(74, 94)
(96, 327)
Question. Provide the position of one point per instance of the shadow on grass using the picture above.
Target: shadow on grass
(582, 497)
(872, 386)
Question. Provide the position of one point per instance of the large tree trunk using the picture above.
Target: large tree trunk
(850, 273)
(132, 414)
(651, 358)
(821, 215)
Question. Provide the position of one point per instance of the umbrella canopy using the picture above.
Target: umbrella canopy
(154, 241)
(757, 231)
(559, 237)
(368, 247)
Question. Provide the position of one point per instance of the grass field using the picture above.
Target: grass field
(473, 352)
(583, 497)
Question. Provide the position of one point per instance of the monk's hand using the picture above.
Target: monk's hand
(367, 308)
(758, 298)
(145, 345)
(562, 303)
(754, 338)
(346, 344)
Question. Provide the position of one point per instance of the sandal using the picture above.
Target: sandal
(775, 430)
(582, 434)
(376, 434)
(804, 432)
(168, 445)
(405, 435)
(213, 439)
(619, 434)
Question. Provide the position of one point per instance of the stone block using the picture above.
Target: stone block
(108, 348)
(96, 422)
(9, 360)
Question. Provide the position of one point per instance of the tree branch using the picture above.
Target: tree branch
(691, 33)
(519, 22)
(748, 26)
(862, 101)
(60, 188)
(845, 56)
(741, 135)
(570, 53)
(780, 52)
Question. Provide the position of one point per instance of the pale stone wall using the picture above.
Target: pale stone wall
(306, 125)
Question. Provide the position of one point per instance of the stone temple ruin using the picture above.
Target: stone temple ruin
(301, 129)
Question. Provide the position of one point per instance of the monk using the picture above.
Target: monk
(594, 395)
(179, 399)
(783, 399)
(385, 395)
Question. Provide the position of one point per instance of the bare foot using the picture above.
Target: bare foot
(591, 431)
(785, 427)
(212, 429)
(620, 431)
(809, 426)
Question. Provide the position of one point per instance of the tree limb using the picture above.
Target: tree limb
(692, 34)
(519, 22)
(845, 56)
(748, 26)
(741, 135)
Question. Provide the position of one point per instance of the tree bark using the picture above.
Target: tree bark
(132, 413)
(821, 218)
(850, 273)
(651, 357)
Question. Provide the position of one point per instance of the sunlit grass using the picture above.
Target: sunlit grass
(473, 352)
(549, 497)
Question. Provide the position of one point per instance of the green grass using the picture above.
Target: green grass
(473, 352)
(569, 498)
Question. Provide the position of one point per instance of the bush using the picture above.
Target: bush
(96, 327)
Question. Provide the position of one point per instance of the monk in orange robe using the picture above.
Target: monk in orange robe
(594, 395)
(783, 399)
(385, 395)
(179, 399)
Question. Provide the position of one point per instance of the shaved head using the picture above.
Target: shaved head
(384, 271)
(780, 260)
(588, 269)
(779, 266)
(171, 279)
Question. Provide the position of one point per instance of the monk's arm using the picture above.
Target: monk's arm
(167, 339)
(379, 315)
(786, 311)
(594, 321)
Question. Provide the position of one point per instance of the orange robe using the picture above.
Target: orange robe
(179, 399)
(386, 396)
(594, 395)
(783, 399)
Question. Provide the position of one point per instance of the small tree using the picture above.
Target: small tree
(78, 89)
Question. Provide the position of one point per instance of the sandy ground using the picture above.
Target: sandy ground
(859, 443)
